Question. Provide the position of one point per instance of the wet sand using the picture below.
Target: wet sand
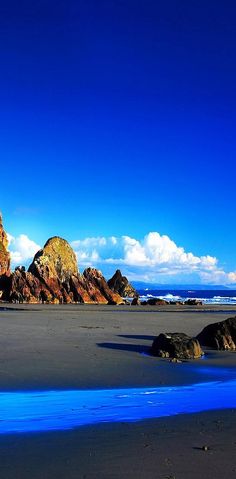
(98, 347)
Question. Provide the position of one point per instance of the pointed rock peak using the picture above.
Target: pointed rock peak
(56, 260)
(121, 285)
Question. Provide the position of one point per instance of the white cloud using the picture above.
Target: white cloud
(154, 258)
(22, 249)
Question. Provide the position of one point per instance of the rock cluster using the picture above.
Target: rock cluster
(221, 336)
(52, 277)
(176, 345)
(121, 285)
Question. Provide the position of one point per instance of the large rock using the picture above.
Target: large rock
(97, 280)
(176, 345)
(4, 253)
(25, 287)
(221, 335)
(53, 266)
(120, 284)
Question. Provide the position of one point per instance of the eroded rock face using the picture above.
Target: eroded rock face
(120, 284)
(4, 254)
(25, 287)
(97, 280)
(176, 345)
(221, 335)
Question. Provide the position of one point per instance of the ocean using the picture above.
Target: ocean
(206, 296)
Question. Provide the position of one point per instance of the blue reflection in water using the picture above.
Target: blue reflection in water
(60, 410)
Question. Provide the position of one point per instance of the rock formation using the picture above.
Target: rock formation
(4, 254)
(221, 335)
(176, 345)
(53, 277)
(95, 278)
(120, 284)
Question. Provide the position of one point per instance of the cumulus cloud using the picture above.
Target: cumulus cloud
(22, 249)
(154, 258)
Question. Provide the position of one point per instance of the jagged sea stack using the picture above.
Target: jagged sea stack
(121, 285)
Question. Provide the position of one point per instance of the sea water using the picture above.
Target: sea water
(206, 296)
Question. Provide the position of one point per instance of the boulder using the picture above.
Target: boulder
(221, 335)
(136, 301)
(120, 284)
(193, 302)
(176, 345)
(156, 302)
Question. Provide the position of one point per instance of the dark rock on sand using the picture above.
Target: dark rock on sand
(176, 345)
(193, 302)
(120, 284)
(156, 302)
(221, 335)
(135, 301)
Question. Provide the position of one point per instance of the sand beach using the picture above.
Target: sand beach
(92, 347)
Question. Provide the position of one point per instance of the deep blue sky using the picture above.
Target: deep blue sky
(118, 117)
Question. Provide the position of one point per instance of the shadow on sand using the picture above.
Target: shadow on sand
(137, 336)
(135, 348)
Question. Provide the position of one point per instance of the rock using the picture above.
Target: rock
(54, 265)
(97, 280)
(156, 302)
(221, 335)
(25, 287)
(176, 345)
(53, 277)
(193, 302)
(4, 253)
(120, 284)
(135, 301)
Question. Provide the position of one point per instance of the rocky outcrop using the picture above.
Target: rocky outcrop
(120, 284)
(221, 335)
(4, 254)
(54, 266)
(25, 287)
(53, 277)
(97, 281)
(176, 345)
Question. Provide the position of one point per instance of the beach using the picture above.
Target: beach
(92, 347)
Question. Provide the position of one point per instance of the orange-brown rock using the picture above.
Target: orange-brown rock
(25, 287)
(53, 266)
(4, 254)
(53, 277)
(95, 278)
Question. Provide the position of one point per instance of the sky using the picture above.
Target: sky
(117, 132)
